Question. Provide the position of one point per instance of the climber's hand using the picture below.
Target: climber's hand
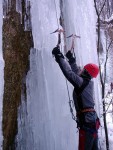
(57, 53)
(69, 54)
(70, 57)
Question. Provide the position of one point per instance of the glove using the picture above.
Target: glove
(70, 57)
(56, 52)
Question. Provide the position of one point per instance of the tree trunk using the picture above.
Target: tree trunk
(103, 89)
(104, 118)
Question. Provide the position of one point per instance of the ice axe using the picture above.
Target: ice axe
(73, 36)
(59, 35)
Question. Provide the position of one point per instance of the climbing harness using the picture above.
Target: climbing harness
(86, 110)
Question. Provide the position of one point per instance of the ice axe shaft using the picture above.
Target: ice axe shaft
(59, 35)
(73, 36)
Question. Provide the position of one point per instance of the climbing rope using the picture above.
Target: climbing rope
(70, 102)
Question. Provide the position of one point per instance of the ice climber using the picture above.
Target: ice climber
(87, 119)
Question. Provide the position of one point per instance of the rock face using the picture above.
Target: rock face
(16, 49)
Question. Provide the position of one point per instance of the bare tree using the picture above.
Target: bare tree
(99, 10)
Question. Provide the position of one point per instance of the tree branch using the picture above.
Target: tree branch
(96, 8)
(107, 51)
(102, 7)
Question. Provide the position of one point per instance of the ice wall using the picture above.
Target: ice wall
(80, 19)
(45, 121)
(1, 73)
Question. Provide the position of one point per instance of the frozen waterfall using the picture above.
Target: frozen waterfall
(44, 121)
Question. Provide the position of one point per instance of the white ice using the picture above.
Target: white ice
(48, 119)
